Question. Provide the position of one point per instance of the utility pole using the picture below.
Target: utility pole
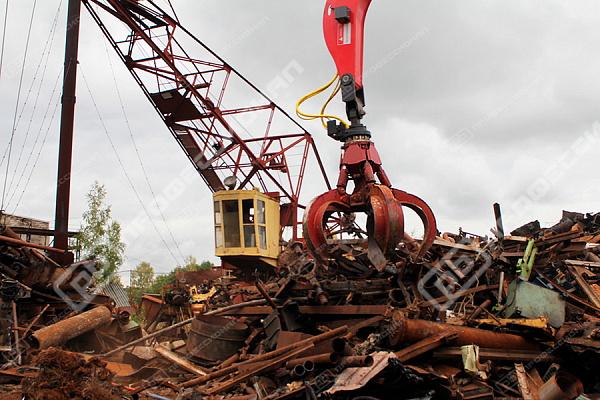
(65, 153)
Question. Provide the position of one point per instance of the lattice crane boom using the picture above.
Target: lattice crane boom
(234, 135)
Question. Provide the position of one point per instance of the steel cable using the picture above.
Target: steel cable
(12, 135)
(45, 56)
(138, 155)
(122, 165)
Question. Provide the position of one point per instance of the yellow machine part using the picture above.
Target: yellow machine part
(540, 323)
(247, 224)
(198, 297)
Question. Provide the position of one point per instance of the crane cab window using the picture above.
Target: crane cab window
(218, 225)
(231, 223)
(261, 224)
(247, 225)
(248, 220)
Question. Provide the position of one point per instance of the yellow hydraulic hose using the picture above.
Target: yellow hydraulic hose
(322, 116)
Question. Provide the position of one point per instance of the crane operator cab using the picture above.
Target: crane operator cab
(247, 224)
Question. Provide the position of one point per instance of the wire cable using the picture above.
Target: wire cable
(2, 63)
(45, 55)
(12, 135)
(322, 116)
(3, 37)
(122, 165)
(53, 100)
(137, 152)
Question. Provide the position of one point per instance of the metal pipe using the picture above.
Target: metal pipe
(479, 309)
(67, 329)
(23, 243)
(67, 122)
(309, 366)
(271, 364)
(341, 346)
(499, 224)
(356, 361)
(298, 371)
(15, 320)
(319, 359)
(561, 386)
(413, 330)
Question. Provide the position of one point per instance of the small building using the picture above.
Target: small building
(15, 221)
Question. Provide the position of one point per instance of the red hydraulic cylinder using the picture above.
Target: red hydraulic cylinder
(344, 27)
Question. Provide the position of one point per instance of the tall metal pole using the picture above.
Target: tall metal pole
(65, 152)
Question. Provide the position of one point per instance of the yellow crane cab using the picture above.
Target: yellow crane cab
(247, 228)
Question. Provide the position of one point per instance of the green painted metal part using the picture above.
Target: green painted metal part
(525, 264)
(531, 301)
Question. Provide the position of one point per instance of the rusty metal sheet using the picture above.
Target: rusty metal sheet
(355, 378)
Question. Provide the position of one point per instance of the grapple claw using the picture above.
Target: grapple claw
(426, 215)
(382, 205)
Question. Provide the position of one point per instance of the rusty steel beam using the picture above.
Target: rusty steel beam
(271, 364)
(67, 122)
(414, 330)
(584, 285)
(19, 242)
(268, 356)
(497, 355)
(425, 345)
(65, 330)
(354, 310)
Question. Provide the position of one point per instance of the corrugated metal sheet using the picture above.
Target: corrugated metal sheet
(115, 292)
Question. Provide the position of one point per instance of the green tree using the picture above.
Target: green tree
(100, 235)
(191, 265)
(160, 281)
(142, 278)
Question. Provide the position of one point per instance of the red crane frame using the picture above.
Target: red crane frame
(254, 140)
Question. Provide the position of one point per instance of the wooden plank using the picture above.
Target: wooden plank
(180, 361)
(578, 263)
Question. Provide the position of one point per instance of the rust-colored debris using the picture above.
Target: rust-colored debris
(512, 316)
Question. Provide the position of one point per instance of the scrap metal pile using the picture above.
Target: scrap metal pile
(511, 316)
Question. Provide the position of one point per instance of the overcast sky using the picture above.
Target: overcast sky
(470, 102)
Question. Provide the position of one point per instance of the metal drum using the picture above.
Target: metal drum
(213, 338)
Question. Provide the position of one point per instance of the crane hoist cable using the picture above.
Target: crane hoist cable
(322, 115)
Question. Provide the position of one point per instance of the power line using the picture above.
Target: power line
(56, 103)
(2, 63)
(137, 152)
(12, 135)
(130, 182)
(45, 54)
(3, 37)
